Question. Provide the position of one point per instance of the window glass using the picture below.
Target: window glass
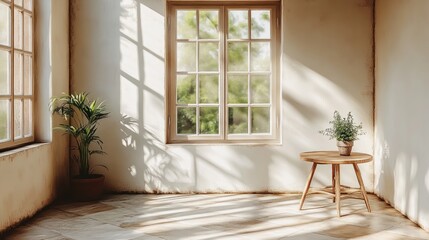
(4, 120)
(16, 73)
(238, 24)
(261, 24)
(4, 72)
(209, 24)
(4, 24)
(186, 24)
(224, 83)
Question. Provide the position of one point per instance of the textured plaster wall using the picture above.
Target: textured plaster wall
(402, 113)
(118, 54)
(31, 177)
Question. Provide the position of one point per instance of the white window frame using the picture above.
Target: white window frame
(26, 7)
(224, 137)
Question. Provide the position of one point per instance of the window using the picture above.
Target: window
(16, 72)
(223, 72)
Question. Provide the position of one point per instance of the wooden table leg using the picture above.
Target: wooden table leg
(333, 182)
(337, 188)
(362, 187)
(307, 185)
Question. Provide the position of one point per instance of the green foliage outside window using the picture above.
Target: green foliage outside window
(209, 123)
(208, 60)
(186, 120)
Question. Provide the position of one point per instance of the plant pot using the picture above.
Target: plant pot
(345, 147)
(87, 189)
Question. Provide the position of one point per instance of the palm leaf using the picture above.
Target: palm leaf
(83, 116)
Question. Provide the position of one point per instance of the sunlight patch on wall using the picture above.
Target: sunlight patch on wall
(128, 94)
(381, 154)
(399, 181)
(161, 173)
(229, 173)
(128, 19)
(153, 69)
(152, 40)
(133, 170)
(315, 109)
(405, 173)
(129, 63)
(427, 180)
(228, 154)
(324, 90)
(412, 192)
(152, 24)
(129, 142)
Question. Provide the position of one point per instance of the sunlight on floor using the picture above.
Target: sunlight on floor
(218, 216)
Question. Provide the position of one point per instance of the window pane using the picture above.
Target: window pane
(237, 89)
(18, 28)
(260, 88)
(186, 120)
(4, 120)
(186, 89)
(209, 24)
(260, 27)
(186, 24)
(237, 120)
(28, 75)
(260, 56)
(238, 24)
(209, 120)
(28, 121)
(260, 120)
(209, 88)
(4, 24)
(209, 57)
(18, 118)
(28, 33)
(237, 56)
(186, 57)
(4, 72)
(18, 2)
(18, 73)
(28, 4)
(222, 67)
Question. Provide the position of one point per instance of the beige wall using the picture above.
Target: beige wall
(402, 112)
(31, 177)
(118, 54)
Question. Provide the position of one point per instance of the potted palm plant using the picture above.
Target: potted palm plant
(345, 131)
(82, 116)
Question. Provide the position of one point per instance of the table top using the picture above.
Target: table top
(333, 157)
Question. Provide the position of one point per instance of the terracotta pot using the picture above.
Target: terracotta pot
(345, 147)
(87, 189)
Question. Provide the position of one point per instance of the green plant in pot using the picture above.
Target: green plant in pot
(82, 117)
(345, 131)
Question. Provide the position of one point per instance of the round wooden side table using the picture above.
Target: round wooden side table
(335, 159)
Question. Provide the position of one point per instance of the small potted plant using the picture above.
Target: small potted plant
(345, 131)
(82, 116)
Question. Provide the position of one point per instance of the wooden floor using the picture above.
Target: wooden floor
(218, 216)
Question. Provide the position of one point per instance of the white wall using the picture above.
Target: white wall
(117, 54)
(402, 112)
(33, 176)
